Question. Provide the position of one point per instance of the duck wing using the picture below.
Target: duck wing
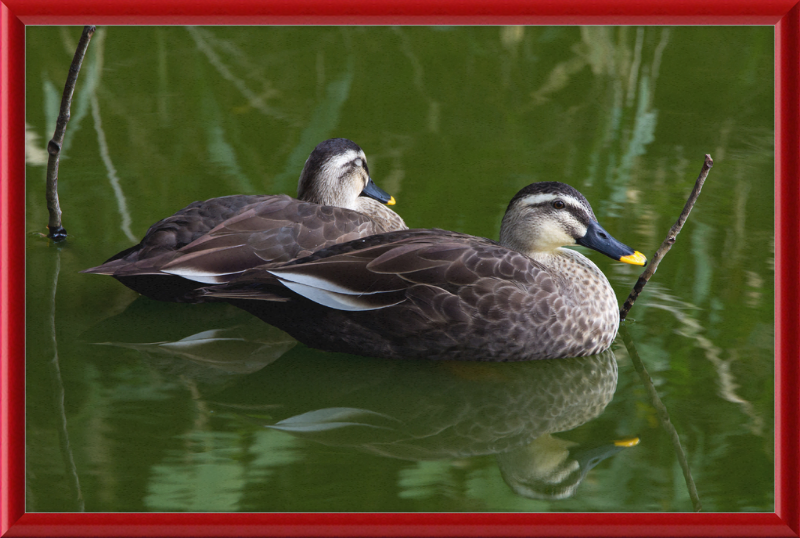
(276, 229)
(413, 294)
(188, 224)
(178, 230)
(380, 271)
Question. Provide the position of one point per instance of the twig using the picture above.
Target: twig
(663, 417)
(56, 231)
(669, 241)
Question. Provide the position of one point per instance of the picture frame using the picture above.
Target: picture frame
(16, 14)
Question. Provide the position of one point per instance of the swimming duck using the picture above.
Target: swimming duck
(212, 241)
(443, 295)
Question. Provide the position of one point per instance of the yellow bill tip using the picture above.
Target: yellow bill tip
(637, 258)
(627, 443)
(391, 201)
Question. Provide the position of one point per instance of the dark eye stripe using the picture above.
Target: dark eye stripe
(576, 211)
(347, 169)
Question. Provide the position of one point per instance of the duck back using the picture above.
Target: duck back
(269, 229)
(434, 294)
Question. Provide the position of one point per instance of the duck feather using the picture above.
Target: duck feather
(460, 296)
(437, 294)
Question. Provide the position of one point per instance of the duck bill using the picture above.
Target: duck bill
(377, 193)
(589, 456)
(600, 240)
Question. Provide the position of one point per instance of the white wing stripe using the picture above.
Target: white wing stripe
(205, 277)
(320, 283)
(330, 299)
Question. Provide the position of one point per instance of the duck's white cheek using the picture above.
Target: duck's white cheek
(551, 234)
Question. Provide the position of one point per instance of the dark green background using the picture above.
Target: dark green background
(453, 121)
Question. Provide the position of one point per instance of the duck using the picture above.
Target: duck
(441, 410)
(437, 294)
(214, 240)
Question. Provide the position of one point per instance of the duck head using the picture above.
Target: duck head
(336, 174)
(547, 215)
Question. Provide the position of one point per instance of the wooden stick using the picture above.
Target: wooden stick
(56, 231)
(668, 242)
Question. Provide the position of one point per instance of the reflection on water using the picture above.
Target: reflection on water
(213, 354)
(552, 468)
(411, 410)
(429, 410)
(407, 410)
(152, 412)
(435, 410)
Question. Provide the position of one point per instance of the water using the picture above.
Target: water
(125, 414)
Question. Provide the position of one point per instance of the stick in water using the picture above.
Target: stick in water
(56, 231)
(668, 242)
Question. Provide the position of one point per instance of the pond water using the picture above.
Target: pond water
(137, 405)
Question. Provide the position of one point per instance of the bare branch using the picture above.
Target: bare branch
(668, 242)
(56, 231)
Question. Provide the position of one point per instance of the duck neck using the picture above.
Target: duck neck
(533, 249)
(562, 257)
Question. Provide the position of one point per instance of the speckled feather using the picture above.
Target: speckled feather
(460, 297)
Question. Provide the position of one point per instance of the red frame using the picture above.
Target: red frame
(15, 14)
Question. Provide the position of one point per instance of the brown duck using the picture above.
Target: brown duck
(213, 241)
(443, 295)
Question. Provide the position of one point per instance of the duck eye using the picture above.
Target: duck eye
(558, 204)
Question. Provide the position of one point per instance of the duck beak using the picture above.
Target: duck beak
(371, 190)
(600, 240)
(590, 456)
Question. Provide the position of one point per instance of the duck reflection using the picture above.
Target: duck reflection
(210, 345)
(412, 409)
(553, 468)
(426, 410)
(230, 349)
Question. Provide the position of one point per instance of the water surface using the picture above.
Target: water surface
(126, 412)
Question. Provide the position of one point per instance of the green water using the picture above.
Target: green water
(453, 121)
